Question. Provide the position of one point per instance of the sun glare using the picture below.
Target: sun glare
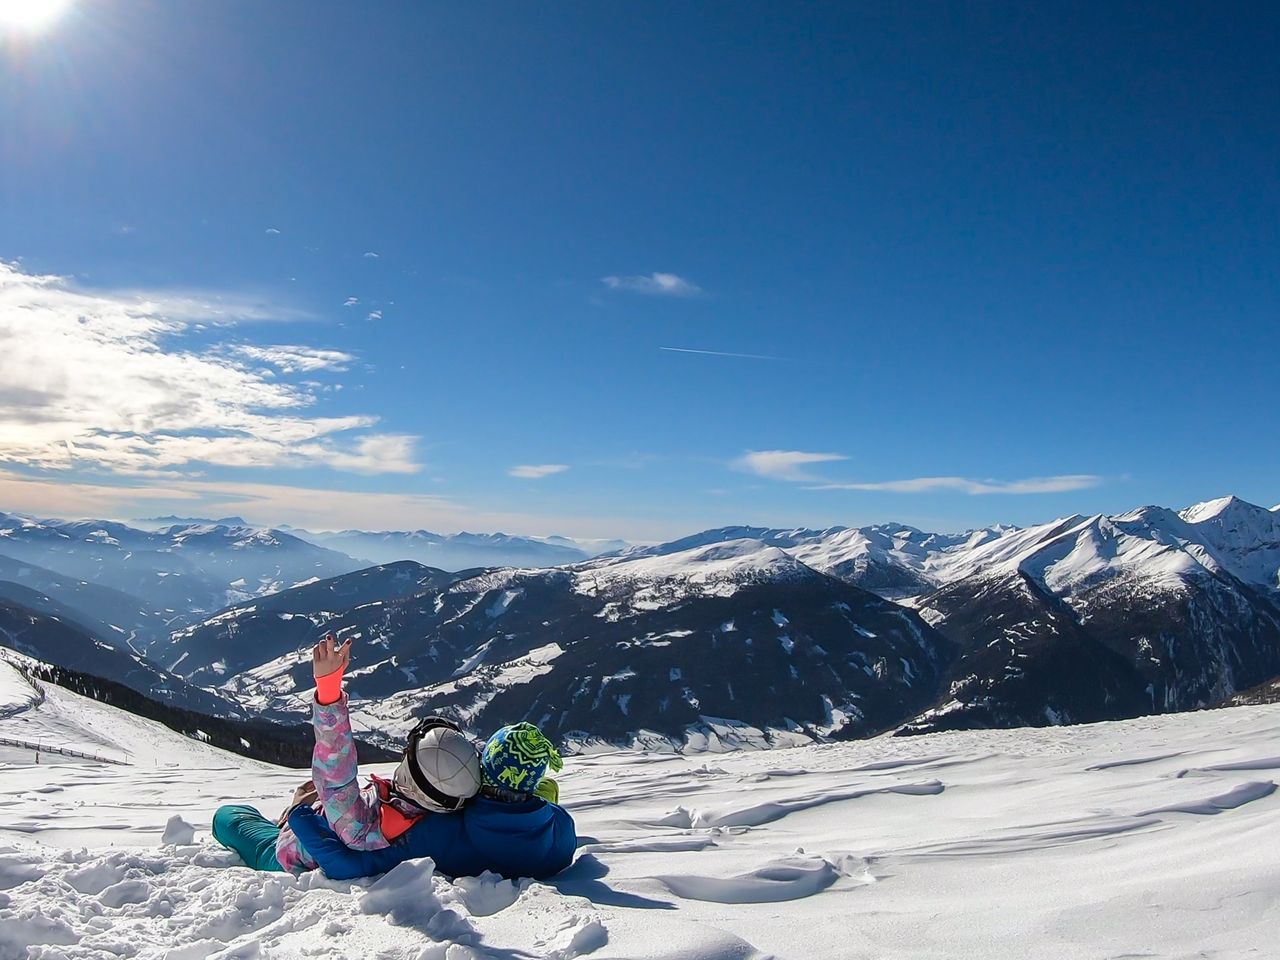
(30, 15)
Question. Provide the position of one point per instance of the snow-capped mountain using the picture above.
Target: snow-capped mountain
(176, 573)
(734, 639)
(1244, 537)
(1091, 618)
(891, 559)
(461, 551)
(898, 561)
(158, 523)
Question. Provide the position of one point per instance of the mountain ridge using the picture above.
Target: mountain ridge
(1082, 618)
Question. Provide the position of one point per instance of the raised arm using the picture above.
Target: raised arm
(333, 762)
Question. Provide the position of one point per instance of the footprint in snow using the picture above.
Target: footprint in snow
(577, 936)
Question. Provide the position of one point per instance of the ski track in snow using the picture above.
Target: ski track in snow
(1152, 837)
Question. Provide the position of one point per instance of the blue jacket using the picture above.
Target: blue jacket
(532, 838)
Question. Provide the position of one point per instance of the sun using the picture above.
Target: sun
(30, 16)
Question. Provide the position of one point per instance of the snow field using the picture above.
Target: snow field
(16, 694)
(1152, 837)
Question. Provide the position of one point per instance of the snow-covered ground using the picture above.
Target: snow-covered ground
(1148, 838)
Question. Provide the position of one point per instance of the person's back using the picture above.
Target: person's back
(527, 837)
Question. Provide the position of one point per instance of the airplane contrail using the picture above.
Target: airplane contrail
(721, 353)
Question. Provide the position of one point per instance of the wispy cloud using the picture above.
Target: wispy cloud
(272, 232)
(102, 379)
(351, 302)
(294, 359)
(655, 284)
(721, 353)
(790, 465)
(783, 464)
(1060, 484)
(374, 315)
(370, 255)
(536, 471)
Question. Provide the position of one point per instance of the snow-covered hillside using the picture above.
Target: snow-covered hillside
(51, 718)
(635, 648)
(1147, 838)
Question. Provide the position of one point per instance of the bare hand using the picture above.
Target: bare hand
(306, 793)
(327, 656)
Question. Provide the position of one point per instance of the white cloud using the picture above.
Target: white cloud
(657, 284)
(783, 464)
(537, 471)
(100, 379)
(370, 255)
(294, 359)
(47, 498)
(272, 232)
(789, 465)
(374, 315)
(350, 302)
(379, 453)
(1061, 484)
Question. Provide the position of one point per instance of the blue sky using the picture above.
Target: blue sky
(391, 264)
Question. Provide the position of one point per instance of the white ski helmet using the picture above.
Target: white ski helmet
(441, 767)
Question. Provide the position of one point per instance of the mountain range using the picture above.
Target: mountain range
(178, 572)
(739, 635)
(461, 551)
(610, 650)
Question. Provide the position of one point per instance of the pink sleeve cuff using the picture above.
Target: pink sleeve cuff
(329, 688)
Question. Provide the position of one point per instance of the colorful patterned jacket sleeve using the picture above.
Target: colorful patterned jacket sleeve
(355, 815)
(291, 854)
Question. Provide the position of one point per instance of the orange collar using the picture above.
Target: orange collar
(393, 821)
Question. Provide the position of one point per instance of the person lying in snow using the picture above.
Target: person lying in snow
(510, 831)
(532, 837)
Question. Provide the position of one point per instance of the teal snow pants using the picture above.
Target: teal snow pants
(250, 834)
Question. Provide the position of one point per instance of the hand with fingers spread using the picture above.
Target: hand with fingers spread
(328, 661)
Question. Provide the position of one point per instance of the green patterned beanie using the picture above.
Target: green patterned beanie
(517, 758)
